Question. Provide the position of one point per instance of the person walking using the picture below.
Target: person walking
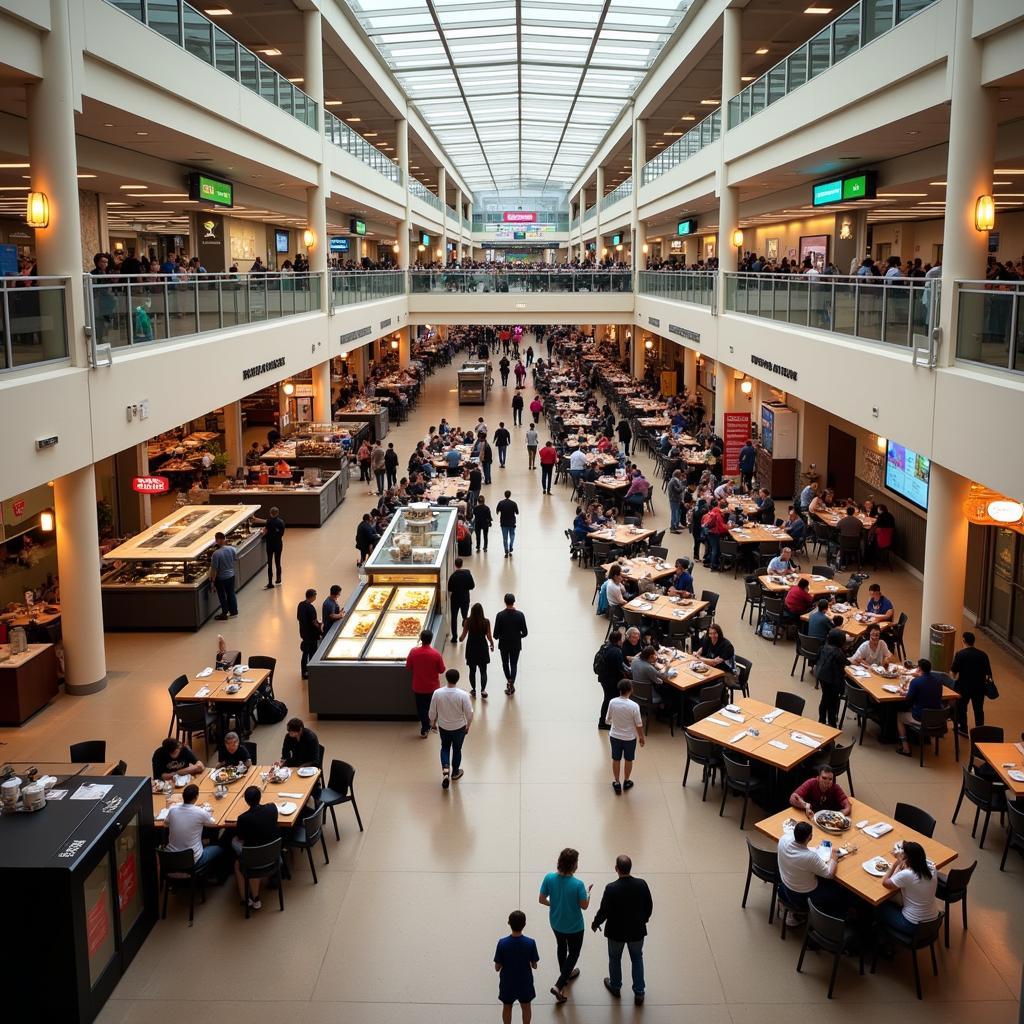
(624, 432)
(676, 491)
(509, 631)
(532, 441)
(273, 537)
(566, 897)
(452, 714)
(627, 728)
(310, 630)
(426, 665)
(548, 460)
(391, 465)
(611, 670)
(476, 631)
(747, 463)
(377, 464)
(223, 570)
(366, 538)
(830, 671)
(460, 583)
(486, 458)
(515, 960)
(536, 408)
(626, 907)
(502, 439)
(517, 410)
(482, 520)
(364, 454)
(503, 368)
(507, 511)
(972, 672)
(520, 372)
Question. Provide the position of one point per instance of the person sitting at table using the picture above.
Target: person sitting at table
(830, 671)
(716, 651)
(782, 564)
(452, 458)
(231, 751)
(256, 826)
(644, 670)
(873, 651)
(798, 600)
(681, 584)
(301, 748)
(819, 503)
(724, 491)
(636, 495)
(582, 527)
(879, 607)
(821, 792)
(185, 824)
(795, 527)
(632, 645)
(252, 456)
(803, 875)
(916, 882)
(869, 508)
(820, 622)
(765, 507)
(923, 693)
(172, 758)
(614, 586)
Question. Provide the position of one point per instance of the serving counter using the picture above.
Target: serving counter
(359, 670)
(367, 411)
(159, 578)
(28, 681)
(473, 384)
(300, 504)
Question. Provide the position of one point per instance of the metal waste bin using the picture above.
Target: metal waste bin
(941, 639)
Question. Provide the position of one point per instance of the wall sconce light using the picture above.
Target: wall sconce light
(37, 210)
(604, 251)
(439, 254)
(737, 238)
(984, 213)
(646, 248)
(648, 344)
(880, 441)
(46, 521)
(309, 238)
(1002, 511)
(289, 389)
(746, 387)
(618, 248)
(394, 343)
(344, 355)
(396, 248)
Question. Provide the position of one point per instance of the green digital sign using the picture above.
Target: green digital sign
(424, 239)
(857, 186)
(616, 239)
(357, 227)
(827, 192)
(686, 227)
(205, 189)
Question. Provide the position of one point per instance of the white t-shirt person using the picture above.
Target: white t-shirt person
(185, 824)
(864, 655)
(918, 895)
(623, 716)
(450, 709)
(799, 866)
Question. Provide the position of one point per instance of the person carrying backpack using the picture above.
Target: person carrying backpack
(610, 670)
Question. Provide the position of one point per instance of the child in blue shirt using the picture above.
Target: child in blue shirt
(515, 959)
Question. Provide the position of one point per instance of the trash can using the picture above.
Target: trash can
(941, 638)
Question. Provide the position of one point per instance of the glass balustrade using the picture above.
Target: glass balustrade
(623, 191)
(696, 286)
(180, 23)
(508, 280)
(348, 288)
(34, 324)
(591, 210)
(697, 138)
(420, 191)
(990, 323)
(339, 133)
(852, 30)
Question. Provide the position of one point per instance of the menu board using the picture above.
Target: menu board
(907, 473)
(737, 433)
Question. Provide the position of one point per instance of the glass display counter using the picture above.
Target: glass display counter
(301, 503)
(159, 579)
(473, 384)
(359, 670)
(370, 411)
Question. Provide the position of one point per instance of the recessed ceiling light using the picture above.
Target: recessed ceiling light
(12, 166)
(87, 175)
(166, 195)
(175, 202)
(107, 124)
(141, 134)
(671, 133)
(936, 183)
(1009, 170)
(900, 195)
(270, 52)
(709, 103)
(762, 51)
(370, 135)
(353, 120)
(117, 204)
(332, 103)
(216, 12)
(1002, 182)
(296, 81)
(746, 78)
(14, 188)
(126, 188)
(817, 10)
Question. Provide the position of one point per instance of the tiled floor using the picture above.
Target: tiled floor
(401, 928)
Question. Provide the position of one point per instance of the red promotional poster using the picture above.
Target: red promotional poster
(737, 433)
(97, 924)
(18, 508)
(127, 881)
(519, 217)
(150, 484)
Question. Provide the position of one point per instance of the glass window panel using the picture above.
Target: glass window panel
(846, 34)
(878, 17)
(225, 53)
(796, 68)
(248, 73)
(198, 35)
(905, 8)
(268, 83)
(163, 16)
(776, 83)
(819, 51)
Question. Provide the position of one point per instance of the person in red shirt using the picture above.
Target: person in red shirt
(536, 408)
(715, 528)
(798, 600)
(820, 793)
(426, 665)
(548, 456)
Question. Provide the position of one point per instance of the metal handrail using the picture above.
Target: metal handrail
(349, 287)
(34, 326)
(990, 324)
(696, 286)
(420, 191)
(701, 135)
(339, 133)
(527, 279)
(621, 191)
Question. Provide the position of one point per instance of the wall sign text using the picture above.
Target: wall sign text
(261, 368)
(767, 364)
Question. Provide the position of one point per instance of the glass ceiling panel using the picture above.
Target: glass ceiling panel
(519, 93)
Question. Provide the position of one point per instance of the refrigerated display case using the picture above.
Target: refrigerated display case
(359, 670)
(159, 579)
(300, 503)
(371, 411)
(473, 384)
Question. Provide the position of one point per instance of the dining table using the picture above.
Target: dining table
(622, 536)
(831, 517)
(62, 770)
(875, 838)
(655, 422)
(445, 487)
(682, 671)
(888, 692)
(217, 691)
(755, 533)
(856, 623)
(820, 586)
(667, 609)
(644, 568)
(1007, 761)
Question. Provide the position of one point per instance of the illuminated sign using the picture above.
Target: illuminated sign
(424, 238)
(357, 227)
(205, 189)
(518, 217)
(151, 484)
(337, 244)
(686, 227)
(857, 186)
(827, 192)
(616, 239)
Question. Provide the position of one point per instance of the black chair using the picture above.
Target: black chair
(739, 778)
(1014, 832)
(753, 595)
(705, 753)
(913, 817)
(728, 555)
(178, 871)
(701, 711)
(952, 888)
(839, 762)
(699, 625)
(772, 610)
(896, 632)
(657, 552)
(270, 664)
(833, 935)
(985, 796)
(924, 936)
(88, 751)
(983, 734)
(713, 692)
(934, 725)
(174, 689)
(790, 702)
(261, 862)
(188, 718)
(306, 835)
(712, 599)
(600, 575)
(864, 709)
(742, 678)
(643, 696)
(763, 864)
(339, 791)
(121, 768)
(823, 570)
(251, 747)
(808, 648)
(849, 550)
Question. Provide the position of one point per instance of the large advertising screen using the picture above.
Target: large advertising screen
(906, 473)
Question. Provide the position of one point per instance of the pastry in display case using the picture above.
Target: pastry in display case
(374, 598)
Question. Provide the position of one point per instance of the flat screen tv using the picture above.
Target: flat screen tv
(906, 474)
(280, 241)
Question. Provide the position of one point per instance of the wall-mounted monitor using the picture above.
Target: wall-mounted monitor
(337, 243)
(357, 227)
(907, 473)
(280, 241)
(205, 189)
(854, 186)
(686, 227)
(616, 239)
(424, 238)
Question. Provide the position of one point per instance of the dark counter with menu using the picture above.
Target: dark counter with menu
(79, 896)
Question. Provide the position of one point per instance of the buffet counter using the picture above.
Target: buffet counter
(28, 681)
(300, 504)
(367, 411)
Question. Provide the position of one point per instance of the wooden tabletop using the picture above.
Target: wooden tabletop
(666, 608)
(831, 518)
(755, 533)
(611, 483)
(215, 687)
(747, 504)
(851, 627)
(573, 441)
(733, 735)
(654, 422)
(819, 587)
(850, 872)
(649, 568)
(60, 768)
(671, 660)
(40, 615)
(445, 486)
(624, 536)
(647, 404)
(578, 421)
(1000, 754)
(875, 685)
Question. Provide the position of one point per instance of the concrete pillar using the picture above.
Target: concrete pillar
(404, 226)
(316, 195)
(405, 340)
(234, 439)
(725, 395)
(945, 552)
(639, 151)
(78, 561)
(145, 500)
(322, 392)
(690, 370)
(972, 142)
(600, 202)
(442, 189)
(52, 153)
(728, 197)
(638, 354)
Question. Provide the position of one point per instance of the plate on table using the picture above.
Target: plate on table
(818, 579)
(307, 773)
(287, 807)
(876, 866)
(832, 821)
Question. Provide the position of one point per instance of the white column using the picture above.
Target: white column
(405, 339)
(78, 561)
(234, 443)
(597, 213)
(945, 552)
(639, 234)
(405, 226)
(972, 142)
(637, 353)
(322, 392)
(442, 189)
(725, 395)
(142, 469)
(316, 195)
(53, 157)
(728, 198)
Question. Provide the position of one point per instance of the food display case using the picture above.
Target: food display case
(306, 502)
(159, 579)
(370, 411)
(473, 384)
(359, 670)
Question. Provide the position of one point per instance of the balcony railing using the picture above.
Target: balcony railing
(623, 191)
(575, 223)
(508, 280)
(420, 191)
(990, 323)
(860, 25)
(183, 25)
(352, 142)
(696, 286)
(140, 308)
(350, 287)
(870, 308)
(700, 135)
(490, 221)
(467, 223)
(34, 324)
(452, 213)
(590, 211)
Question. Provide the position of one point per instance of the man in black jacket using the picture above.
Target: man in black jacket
(273, 535)
(301, 747)
(509, 630)
(626, 907)
(460, 583)
(612, 671)
(391, 465)
(310, 629)
(502, 439)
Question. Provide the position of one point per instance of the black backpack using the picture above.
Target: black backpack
(269, 711)
(599, 659)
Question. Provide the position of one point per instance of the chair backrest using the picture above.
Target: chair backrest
(852, 590)
(341, 776)
(643, 693)
(263, 661)
(738, 771)
(175, 862)
(958, 879)
(633, 618)
(630, 521)
(701, 711)
(913, 817)
(829, 931)
(258, 861)
(728, 546)
(1015, 819)
(657, 552)
(934, 721)
(753, 589)
(857, 697)
(251, 746)
(177, 686)
(701, 623)
(851, 544)
(927, 932)
(697, 746)
(88, 750)
(715, 692)
(771, 606)
(600, 573)
(790, 702)
(839, 757)
(655, 541)
(314, 823)
(744, 666)
(191, 715)
(823, 570)
(712, 599)
(320, 755)
(977, 788)
(808, 646)
(979, 734)
(764, 861)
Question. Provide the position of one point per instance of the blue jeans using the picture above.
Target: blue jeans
(423, 710)
(502, 452)
(508, 537)
(226, 595)
(714, 548)
(210, 854)
(451, 740)
(636, 959)
(487, 472)
(676, 514)
(890, 913)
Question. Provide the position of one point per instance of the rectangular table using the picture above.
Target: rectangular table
(889, 704)
(832, 518)
(820, 586)
(643, 569)
(655, 422)
(226, 704)
(666, 609)
(60, 769)
(998, 754)
(758, 534)
(849, 872)
(855, 630)
(623, 536)
(685, 678)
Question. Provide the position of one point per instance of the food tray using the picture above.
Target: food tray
(831, 821)
(345, 650)
(360, 624)
(390, 650)
(404, 625)
(413, 599)
(374, 598)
